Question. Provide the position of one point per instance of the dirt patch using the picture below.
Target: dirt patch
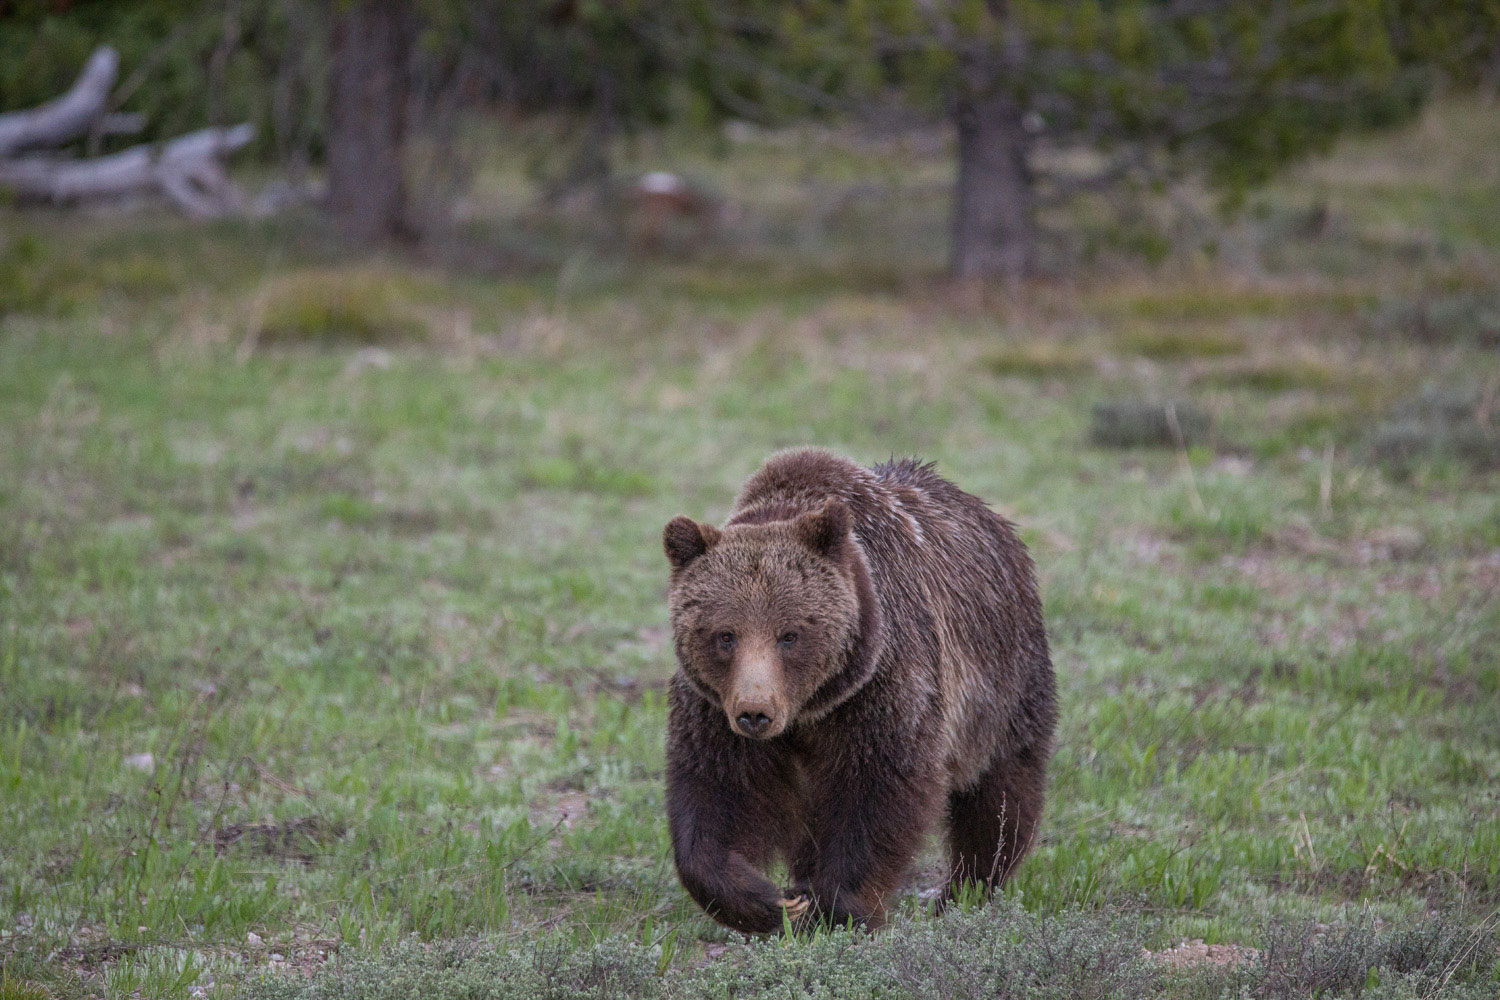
(1195, 954)
(626, 687)
(303, 953)
(1275, 576)
(560, 807)
(570, 808)
(300, 839)
(1147, 548)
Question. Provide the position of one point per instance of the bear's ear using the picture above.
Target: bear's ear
(686, 540)
(824, 530)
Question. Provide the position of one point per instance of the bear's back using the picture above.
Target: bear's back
(909, 519)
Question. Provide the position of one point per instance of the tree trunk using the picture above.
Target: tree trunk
(994, 224)
(367, 111)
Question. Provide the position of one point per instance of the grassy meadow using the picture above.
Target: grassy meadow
(332, 627)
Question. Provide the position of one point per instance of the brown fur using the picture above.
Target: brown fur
(917, 687)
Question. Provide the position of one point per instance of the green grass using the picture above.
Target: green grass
(389, 622)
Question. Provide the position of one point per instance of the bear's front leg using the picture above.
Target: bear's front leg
(728, 804)
(732, 891)
(866, 824)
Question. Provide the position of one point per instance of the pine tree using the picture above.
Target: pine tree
(1230, 89)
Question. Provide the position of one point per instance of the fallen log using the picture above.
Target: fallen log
(188, 170)
(64, 118)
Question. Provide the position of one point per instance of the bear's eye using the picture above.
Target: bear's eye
(726, 639)
(788, 638)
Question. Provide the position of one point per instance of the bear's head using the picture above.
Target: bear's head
(771, 621)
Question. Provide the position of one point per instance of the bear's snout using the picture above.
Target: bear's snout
(752, 722)
(754, 702)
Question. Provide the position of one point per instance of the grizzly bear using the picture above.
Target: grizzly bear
(862, 653)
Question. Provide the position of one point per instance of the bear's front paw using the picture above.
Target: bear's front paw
(833, 909)
(797, 906)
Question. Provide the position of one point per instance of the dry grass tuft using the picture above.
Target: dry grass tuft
(1274, 376)
(1175, 344)
(299, 839)
(1039, 359)
(338, 306)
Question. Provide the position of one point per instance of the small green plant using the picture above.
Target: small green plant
(15, 988)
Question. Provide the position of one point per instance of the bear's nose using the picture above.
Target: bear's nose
(753, 723)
